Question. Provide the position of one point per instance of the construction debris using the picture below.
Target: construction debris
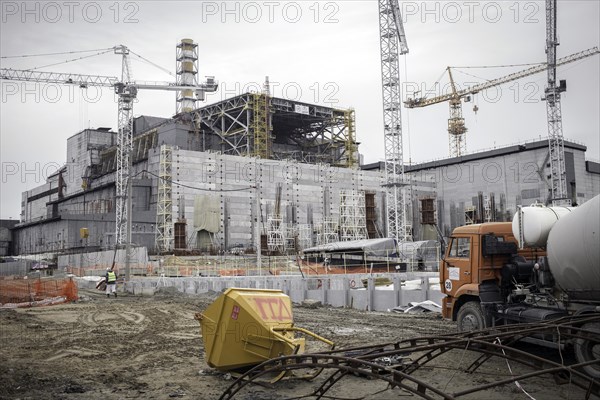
(418, 307)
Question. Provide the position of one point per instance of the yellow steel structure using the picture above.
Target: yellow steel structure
(261, 125)
(351, 148)
(245, 327)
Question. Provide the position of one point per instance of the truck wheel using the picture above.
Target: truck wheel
(589, 350)
(470, 317)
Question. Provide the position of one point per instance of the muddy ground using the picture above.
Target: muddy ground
(151, 348)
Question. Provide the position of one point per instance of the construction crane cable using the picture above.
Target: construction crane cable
(152, 63)
(471, 75)
(563, 68)
(71, 60)
(499, 66)
(54, 54)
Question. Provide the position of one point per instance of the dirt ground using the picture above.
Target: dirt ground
(151, 348)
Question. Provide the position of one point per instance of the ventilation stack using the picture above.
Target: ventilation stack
(187, 74)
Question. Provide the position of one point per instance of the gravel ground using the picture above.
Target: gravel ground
(151, 347)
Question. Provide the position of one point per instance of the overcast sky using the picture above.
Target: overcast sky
(323, 52)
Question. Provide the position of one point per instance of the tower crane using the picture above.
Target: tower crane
(393, 43)
(126, 90)
(456, 123)
(555, 135)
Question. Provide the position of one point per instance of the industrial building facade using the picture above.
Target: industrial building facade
(248, 170)
(254, 170)
(488, 185)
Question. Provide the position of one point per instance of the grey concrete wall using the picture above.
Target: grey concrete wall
(95, 263)
(337, 291)
(19, 268)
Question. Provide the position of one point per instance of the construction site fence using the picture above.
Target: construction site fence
(373, 292)
(24, 292)
(247, 265)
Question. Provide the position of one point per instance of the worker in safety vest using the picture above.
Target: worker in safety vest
(111, 282)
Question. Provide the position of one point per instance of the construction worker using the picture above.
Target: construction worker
(111, 282)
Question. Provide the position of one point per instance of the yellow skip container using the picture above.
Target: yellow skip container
(245, 327)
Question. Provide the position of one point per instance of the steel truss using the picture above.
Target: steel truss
(269, 127)
(396, 362)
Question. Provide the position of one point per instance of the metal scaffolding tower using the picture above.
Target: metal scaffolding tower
(164, 204)
(291, 235)
(305, 236)
(552, 92)
(353, 221)
(327, 231)
(275, 233)
(393, 44)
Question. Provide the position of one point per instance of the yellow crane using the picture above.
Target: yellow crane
(456, 123)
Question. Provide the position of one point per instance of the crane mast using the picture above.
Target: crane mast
(553, 111)
(456, 123)
(393, 43)
(127, 95)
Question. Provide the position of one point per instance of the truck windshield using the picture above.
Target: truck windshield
(460, 248)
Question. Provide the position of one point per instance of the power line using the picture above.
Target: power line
(193, 187)
(54, 54)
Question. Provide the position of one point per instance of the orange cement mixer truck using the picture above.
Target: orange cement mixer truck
(544, 265)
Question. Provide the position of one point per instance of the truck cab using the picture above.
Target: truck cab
(471, 273)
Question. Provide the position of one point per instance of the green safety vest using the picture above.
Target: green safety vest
(112, 277)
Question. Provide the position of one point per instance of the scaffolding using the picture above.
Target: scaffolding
(275, 234)
(291, 235)
(353, 221)
(164, 205)
(470, 215)
(327, 231)
(305, 236)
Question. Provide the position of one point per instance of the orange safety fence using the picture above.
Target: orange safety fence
(36, 292)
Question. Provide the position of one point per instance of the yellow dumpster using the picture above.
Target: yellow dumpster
(245, 327)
